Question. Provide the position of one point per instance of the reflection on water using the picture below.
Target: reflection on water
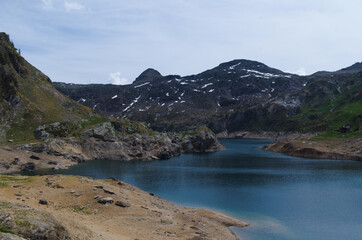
(281, 197)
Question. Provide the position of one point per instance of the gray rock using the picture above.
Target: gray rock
(41, 134)
(121, 204)
(108, 191)
(29, 166)
(104, 132)
(105, 200)
(35, 157)
(77, 158)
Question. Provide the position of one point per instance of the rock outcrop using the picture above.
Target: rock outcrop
(68, 144)
(29, 223)
(105, 142)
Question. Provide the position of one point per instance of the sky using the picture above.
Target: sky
(113, 41)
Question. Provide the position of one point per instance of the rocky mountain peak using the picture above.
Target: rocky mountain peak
(148, 75)
(4, 37)
(242, 63)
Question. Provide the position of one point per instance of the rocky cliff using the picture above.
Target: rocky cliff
(64, 144)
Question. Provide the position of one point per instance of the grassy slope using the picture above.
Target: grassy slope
(39, 102)
(335, 109)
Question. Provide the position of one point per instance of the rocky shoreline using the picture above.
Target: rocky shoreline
(103, 142)
(301, 145)
(337, 149)
(68, 207)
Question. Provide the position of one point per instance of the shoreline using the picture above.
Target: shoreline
(75, 203)
(61, 153)
(336, 150)
(301, 145)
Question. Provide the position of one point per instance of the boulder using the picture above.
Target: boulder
(41, 134)
(105, 200)
(103, 132)
(29, 166)
(43, 202)
(35, 157)
(121, 204)
(108, 191)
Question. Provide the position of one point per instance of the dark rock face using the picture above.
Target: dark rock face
(148, 146)
(29, 166)
(125, 140)
(234, 96)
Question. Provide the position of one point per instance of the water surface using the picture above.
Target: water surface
(281, 197)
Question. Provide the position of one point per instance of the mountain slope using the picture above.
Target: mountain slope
(175, 102)
(28, 98)
(235, 96)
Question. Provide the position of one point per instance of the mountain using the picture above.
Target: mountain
(148, 75)
(28, 98)
(235, 96)
(175, 103)
(46, 129)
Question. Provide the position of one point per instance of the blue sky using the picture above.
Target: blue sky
(113, 41)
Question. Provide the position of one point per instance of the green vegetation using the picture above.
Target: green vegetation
(5, 180)
(334, 111)
(3, 230)
(28, 98)
(197, 131)
(125, 126)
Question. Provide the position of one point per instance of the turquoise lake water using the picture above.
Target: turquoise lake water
(281, 197)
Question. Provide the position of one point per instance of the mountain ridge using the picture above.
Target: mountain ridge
(236, 95)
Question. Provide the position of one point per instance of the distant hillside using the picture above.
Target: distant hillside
(234, 96)
(28, 98)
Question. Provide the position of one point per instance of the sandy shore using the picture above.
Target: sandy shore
(133, 214)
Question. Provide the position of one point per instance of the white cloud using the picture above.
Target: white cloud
(73, 6)
(301, 71)
(117, 79)
(47, 4)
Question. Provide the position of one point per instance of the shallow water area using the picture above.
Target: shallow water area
(281, 197)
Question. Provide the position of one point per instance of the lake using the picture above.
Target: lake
(281, 197)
